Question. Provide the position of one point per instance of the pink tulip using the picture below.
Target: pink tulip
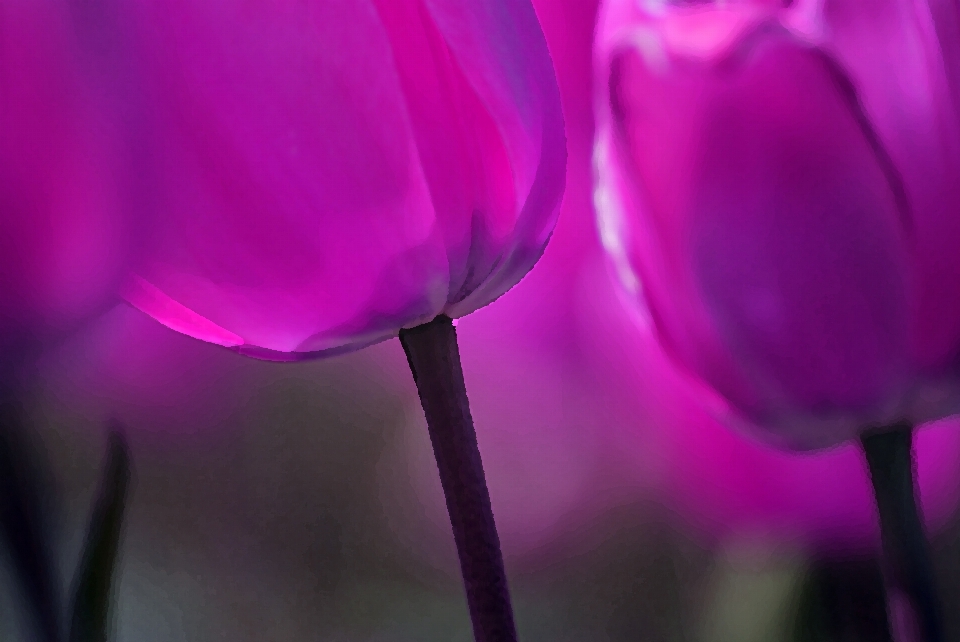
(331, 172)
(778, 188)
(61, 236)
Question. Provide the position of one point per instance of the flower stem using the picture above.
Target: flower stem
(92, 599)
(908, 568)
(23, 527)
(434, 359)
(843, 599)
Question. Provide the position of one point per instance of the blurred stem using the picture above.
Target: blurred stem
(434, 359)
(90, 620)
(908, 568)
(23, 526)
(843, 599)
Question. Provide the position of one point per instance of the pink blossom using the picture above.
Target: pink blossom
(327, 173)
(777, 192)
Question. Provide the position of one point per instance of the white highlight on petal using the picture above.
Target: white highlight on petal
(610, 218)
(649, 44)
(805, 19)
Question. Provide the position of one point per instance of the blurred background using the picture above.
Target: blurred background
(282, 502)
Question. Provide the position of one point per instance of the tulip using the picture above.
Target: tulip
(778, 188)
(717, 177)
(327, 175)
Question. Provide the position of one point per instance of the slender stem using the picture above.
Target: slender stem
(92, 600)
(22, 524)
(435, 361)
(908, 567)
(843, 599)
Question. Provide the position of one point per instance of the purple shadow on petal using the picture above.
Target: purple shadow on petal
(799, 245)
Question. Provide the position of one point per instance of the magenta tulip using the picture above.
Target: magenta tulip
(778, 188)
(62, 239)
(331, 172)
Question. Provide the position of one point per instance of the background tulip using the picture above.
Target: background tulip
(775, 193)
(331, 172)
(784, 204)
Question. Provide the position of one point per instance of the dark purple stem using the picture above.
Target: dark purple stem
(908, 568)
(23, 528)
(91, 617)
(435, 362)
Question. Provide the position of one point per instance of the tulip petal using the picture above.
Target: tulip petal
(502, 52)
(902, 57)
(287, 176)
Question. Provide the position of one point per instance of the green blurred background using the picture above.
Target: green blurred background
(277, 503)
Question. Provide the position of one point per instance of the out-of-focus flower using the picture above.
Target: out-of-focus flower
(779, 187)
(62, 236)
(330, 172)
